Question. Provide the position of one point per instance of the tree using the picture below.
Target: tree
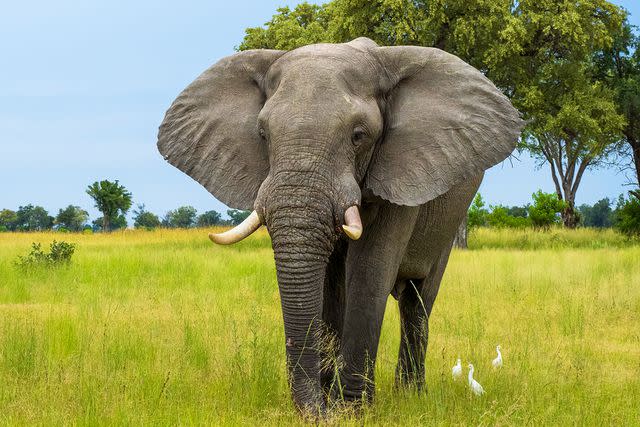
(183, 217)
(518, 211)
(112, 199)
(145, 219)
(499, 217)
(237, 216)
(116, 223)
(619, 67)
(627, 214)
(8, 220)
(33, 218)
(209, 218)
(545, 210)
(477, 213)
(551, 77)
(598, 216)
(72, 218)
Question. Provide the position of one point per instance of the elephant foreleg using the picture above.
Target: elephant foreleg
(332, 316)
(371, 269)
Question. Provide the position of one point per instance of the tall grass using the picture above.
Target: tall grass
(165, 328)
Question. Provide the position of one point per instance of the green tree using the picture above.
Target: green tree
(72, 218)
(499, 217)
(477, 213)
(619, 67)
(33, 218)
(627, 214)
(518, 211)
(118, 222)
(112, 199)
(545, 210)
(8, 220)
(209, 218)
(145, 219)
(237, 216)
(599, 215)
(183, 217)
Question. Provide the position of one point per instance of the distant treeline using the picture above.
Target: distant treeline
(114, 201)
(546, 211)
(75, 219)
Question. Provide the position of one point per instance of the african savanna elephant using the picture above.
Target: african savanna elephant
(361, 161)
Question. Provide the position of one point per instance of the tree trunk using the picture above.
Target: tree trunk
(460, 240)
(105, 223)
(570, 217)
(635, 147)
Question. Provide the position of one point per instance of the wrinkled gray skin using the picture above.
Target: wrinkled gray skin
(405, 133)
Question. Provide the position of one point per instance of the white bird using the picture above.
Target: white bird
(456, 371)
(474, 385)
(497, 362)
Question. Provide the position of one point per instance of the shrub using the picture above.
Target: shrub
(145, 219)
(627, 215)
(60, 253)
(477, 213)
(545, 210)
(500, 217)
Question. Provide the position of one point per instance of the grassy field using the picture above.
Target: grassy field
(164, 328)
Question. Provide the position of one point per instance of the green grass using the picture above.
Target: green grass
(164, 328)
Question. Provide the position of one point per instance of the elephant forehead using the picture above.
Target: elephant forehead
(325, 66)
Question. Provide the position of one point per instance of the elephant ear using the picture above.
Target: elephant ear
(445, 123)
(210, 131)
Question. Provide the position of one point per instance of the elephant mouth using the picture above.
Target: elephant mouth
(352, 227)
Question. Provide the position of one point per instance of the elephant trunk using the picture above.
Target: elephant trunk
(302, 236)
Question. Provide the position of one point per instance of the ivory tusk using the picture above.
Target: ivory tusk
(352, 223)
(239, 232)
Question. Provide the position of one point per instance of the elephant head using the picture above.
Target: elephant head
(300, 136)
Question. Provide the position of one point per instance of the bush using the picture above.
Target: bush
(183, 217)
(545, 210)
(477, 215)
(500, 217)
(60, 253)
(145, 219)
(627, 215)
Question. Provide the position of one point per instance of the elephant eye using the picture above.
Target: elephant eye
(358, 135)
(262, 134)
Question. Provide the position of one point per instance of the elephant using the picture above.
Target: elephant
(361, 160)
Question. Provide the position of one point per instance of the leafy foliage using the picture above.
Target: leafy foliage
(209, 218)
(72, 218)
(237, 216)
(183, 217)
(145, 219)
(477, 214)
(599, 215)
(8, 220)
(545, 210)
(60, 254)
(627, 215)
(112, 199)
(117, 223)
(500, 217)
(619, 67)
(33, 218)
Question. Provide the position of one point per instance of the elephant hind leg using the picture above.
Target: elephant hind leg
(414, 334)
(415, 301)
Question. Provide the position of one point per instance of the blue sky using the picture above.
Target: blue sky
(84, 86)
